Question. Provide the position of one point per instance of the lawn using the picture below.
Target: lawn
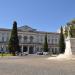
(5, 54)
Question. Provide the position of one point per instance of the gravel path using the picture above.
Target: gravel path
(35, 65)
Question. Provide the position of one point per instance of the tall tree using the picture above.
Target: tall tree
(13, 45)
(62, 42)
(45, 44)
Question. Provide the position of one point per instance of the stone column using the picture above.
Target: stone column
(22, 49)
(28, 49)
(39, 48)
(34, 49)
(22, 39)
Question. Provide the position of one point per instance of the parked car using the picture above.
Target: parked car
(39, 53)
(45, 53)
(25, 53)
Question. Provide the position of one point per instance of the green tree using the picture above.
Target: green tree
(72, 31)
(61, 42)
(45, 44)
(66, 33)
(13, 45)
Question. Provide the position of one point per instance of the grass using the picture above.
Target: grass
(5, 54)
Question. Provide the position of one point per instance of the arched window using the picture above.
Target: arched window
(31, 39)
(25, 39)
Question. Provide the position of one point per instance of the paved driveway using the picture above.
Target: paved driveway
(35, 65)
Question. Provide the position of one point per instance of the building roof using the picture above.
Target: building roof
(26, 28)
(4, 29)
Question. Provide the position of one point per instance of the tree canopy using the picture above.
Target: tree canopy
(13, 45)
(45, 44)
(62, 42)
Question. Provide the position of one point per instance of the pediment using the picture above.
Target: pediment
(26, 28)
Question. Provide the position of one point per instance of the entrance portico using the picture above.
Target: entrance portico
(28, 48)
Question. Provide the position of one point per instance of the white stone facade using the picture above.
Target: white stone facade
(30, 40)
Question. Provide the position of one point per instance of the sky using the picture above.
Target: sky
(43, 15)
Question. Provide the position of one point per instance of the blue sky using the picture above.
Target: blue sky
(44, 15)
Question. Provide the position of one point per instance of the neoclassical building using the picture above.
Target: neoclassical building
(30, 39)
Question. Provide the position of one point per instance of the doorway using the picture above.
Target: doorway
(31, 50)
(24, 48)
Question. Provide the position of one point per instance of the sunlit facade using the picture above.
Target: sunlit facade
(30, 40)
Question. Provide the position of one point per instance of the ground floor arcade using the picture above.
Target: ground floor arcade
(32, 48)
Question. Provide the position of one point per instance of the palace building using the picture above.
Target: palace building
(30, 39)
